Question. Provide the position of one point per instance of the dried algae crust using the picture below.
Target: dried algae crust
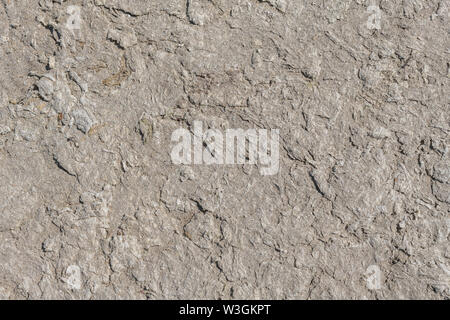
(92, 207)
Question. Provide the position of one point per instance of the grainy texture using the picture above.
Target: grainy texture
(92, 207)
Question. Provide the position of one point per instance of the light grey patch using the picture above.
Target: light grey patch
(46, 88)
(83, 120)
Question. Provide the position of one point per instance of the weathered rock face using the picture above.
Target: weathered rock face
(92, 205)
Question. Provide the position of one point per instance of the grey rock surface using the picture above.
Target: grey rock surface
(92, 206)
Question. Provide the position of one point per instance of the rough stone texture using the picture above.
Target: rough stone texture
(91, 206)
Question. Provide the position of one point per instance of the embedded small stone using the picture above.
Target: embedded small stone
(82, 120)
